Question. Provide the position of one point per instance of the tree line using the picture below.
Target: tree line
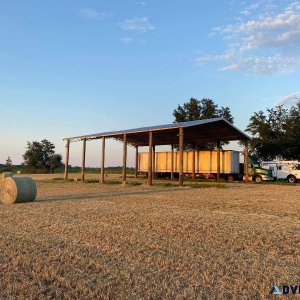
(274, 133)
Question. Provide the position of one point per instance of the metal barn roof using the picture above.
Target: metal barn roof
(198, 132)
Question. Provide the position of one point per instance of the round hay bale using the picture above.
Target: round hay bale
(7, 174)
(17, 190)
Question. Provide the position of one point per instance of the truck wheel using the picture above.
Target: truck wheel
(292, 179)
(258, 179)
(230, 178)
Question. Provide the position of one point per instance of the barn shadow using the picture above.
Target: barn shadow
(101, 196)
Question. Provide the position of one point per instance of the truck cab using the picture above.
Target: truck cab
(284, 170)
(257, 172)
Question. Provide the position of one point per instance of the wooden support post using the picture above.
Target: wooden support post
(194, 162)
(246, 161)
(218, 161)
(181, 142)
(67, 159)
(124, 159)
(172, 162)
(136, 161)
(153, 162)
(102, 180)
(83, 160)
(150, 159)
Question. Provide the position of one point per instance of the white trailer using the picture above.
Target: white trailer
(205, 163)
(284, 170)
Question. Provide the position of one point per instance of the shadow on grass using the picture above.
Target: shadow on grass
(100, 196)
(208, 185)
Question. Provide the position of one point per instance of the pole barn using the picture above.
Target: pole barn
(194, 133)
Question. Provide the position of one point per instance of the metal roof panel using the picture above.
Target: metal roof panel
(156, 128)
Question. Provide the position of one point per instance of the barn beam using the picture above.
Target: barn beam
(246, 161)
(103, 161)
(172, 162)
(218, 161)
(124, 159)
(194, 162)
(181, 146)
(83, 161)
(67, 159)
(153, 162)
(136, 161)
(150, 159)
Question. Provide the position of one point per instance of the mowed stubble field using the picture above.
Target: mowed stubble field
(85, 241)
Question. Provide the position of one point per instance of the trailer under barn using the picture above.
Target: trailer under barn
(205, 162)
(197, 133)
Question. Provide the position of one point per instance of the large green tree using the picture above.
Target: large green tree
(292, 149)
(196, 109)
(276, 133)
(55, 162)
(201, 109)
(40, 156)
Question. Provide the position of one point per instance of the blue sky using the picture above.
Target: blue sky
(78, 67)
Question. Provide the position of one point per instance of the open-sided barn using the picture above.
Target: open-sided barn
(197, 132)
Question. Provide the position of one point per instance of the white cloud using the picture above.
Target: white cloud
(137, 24)
(218, 57)
(282, 30)
(142, 3)
(266, 42)
(260, 65)
(92, 14)
(289, 99)
(126, 40)
(249, 9)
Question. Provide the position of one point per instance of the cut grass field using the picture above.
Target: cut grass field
(85, 241)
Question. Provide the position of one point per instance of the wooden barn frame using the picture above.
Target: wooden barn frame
(197, 132)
